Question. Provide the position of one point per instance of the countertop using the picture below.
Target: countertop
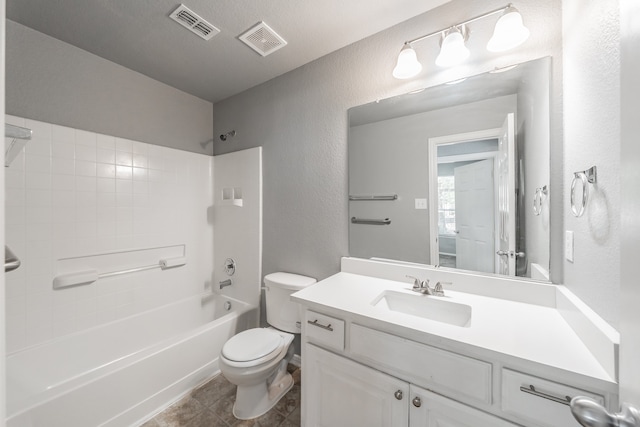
(529, 332)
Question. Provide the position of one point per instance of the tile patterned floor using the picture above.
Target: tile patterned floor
(211, 406)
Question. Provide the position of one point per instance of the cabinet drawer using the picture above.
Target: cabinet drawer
(325, 330)
(444, 372)
(539, 405)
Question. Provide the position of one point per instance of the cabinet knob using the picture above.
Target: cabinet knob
(417, 402)
(398, 394)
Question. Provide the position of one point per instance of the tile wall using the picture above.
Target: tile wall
(73, 193)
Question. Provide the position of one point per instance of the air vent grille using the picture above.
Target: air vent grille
(190, 20)
(263, 39)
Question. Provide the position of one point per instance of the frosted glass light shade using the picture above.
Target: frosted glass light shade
(509, 32)
(408, 65)
(453, 51)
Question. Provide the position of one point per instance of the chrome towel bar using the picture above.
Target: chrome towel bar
(385, 221)
(363, 198)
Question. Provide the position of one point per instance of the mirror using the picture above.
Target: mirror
(456, 175)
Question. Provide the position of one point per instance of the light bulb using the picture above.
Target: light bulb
(408, 64)
(509, 32)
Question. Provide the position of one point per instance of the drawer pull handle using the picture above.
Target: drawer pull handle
(532, 390)
(320, 325)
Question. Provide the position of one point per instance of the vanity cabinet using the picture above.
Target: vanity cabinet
(355, 375)
(342, 392)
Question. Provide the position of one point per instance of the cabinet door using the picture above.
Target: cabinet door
(432, 410)
(338, 392)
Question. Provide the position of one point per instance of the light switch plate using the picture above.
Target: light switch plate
(421, 203)
(568, 245)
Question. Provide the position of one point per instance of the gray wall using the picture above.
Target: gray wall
(592, 137)
(300, 119)
(54, 82)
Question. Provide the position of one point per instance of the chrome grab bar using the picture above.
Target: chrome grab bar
(385, 221)
(532, 390)
(320, 325)
(11, 261)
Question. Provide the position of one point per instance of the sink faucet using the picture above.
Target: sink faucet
(424, 288)
(421, 286)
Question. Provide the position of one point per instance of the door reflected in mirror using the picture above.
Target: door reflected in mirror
(465, 161)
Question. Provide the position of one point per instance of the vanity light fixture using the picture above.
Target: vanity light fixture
(452, 48)
(508, 33)
(408, 64)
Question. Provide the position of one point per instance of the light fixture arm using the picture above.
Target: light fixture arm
(468, 21)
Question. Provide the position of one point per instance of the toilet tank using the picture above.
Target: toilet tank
(282, 313)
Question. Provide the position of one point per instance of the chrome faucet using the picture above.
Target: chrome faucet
(424, 288)
(421, 286)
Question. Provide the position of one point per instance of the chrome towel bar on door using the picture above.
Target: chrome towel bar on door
(385, 221)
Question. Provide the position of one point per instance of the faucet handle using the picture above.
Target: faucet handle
(416, 282)
(438, 290)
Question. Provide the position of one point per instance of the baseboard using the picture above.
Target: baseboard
(296, 360)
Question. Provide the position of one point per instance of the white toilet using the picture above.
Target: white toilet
(256, 360)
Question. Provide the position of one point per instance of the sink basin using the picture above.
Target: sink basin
(425, 306)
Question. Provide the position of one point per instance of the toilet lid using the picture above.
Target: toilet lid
(252, 344)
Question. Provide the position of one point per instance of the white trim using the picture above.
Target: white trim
(433, 177)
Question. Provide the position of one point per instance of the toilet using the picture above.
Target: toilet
(256, 360)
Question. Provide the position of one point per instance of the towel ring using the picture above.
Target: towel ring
(537, 199)
(585, 177)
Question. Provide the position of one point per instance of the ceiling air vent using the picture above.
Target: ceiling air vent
(190, 20)
(263, 39)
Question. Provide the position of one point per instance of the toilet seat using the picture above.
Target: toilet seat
(253, 347)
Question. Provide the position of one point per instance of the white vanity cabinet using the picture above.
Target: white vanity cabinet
(344, 393)
(341, 392)
(338, 391)
(355, 375)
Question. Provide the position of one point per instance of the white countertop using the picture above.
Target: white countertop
(530, 332)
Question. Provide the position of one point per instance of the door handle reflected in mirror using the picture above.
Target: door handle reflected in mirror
(502, 253)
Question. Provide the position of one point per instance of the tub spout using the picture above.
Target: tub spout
(225, 283)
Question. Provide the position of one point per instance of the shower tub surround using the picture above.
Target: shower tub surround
(74, 196)
(73, 193)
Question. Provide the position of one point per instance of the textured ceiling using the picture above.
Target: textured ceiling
(139, 35)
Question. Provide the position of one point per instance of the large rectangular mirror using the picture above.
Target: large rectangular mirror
(456, 175)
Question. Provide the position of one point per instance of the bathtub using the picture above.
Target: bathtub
(120, 373)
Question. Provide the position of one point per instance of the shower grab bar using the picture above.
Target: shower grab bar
(363, 198)
(11, 261)
(385, 221)
(89, 276)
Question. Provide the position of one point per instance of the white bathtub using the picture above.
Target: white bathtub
(119, 373)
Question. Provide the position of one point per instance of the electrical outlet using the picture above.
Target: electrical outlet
(421, 203)
(568, 245)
